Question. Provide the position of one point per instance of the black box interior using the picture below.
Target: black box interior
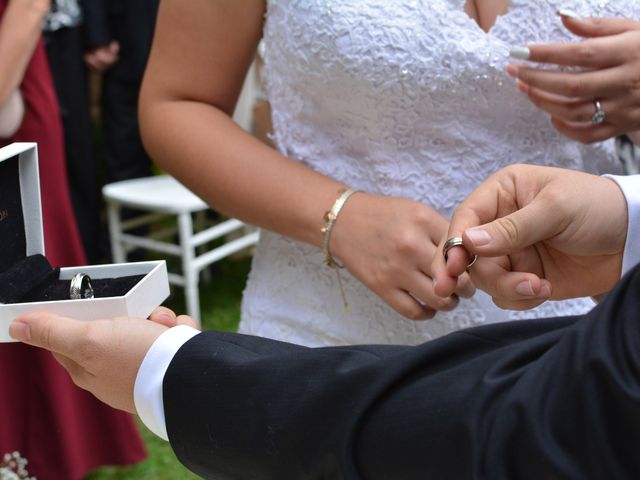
(31, 278)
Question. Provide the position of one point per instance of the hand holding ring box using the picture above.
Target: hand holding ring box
(29, 283)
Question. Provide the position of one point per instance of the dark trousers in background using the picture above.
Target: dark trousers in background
(124, 154)
(64, 49)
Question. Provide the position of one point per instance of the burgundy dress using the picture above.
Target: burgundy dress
(63, 431)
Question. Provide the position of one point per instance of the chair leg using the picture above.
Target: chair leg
(201, 224)
(115, 231)
(190, 274)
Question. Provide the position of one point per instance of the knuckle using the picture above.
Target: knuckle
(408, 312)
(45, 333)
(577, 114)
(413, 312)
(633, 38)
(587, 53)
(378, 279)
(598, 25)
(553, 198)
(423, 216)
(525, 74)
(514, 169)
(508, 229)
(575, 87)
(543, 55)
(558, 201)
(633, 83)
(406, 243)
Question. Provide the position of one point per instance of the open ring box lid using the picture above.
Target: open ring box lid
(127, 289)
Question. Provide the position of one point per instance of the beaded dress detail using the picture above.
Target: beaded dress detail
(406, 98)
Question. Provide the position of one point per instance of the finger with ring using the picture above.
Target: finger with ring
(457, 242)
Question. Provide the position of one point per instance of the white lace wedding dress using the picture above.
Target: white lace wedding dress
(406, 98)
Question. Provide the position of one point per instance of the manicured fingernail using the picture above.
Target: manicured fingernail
(478, 236)
(525, 289)
(20, 331)
(166, 316)
(512, 70)
(523, 53)
(565, 12)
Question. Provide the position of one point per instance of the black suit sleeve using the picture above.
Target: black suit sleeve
(542, 399)
(96, 25)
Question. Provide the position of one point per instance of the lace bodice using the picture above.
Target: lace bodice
(406, 98)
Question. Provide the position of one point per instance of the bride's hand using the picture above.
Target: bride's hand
(388, 243)
(609, 61)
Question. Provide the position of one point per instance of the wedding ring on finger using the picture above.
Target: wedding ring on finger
(456, 242)
(80, 287)
(599, 116)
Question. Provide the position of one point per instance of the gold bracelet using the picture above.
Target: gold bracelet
(330, 218)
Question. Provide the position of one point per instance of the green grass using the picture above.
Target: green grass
(220, 304)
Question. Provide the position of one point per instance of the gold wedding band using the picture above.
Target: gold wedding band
(456, 242)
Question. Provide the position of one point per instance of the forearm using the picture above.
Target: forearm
(233, 172)
(529, 399)
(20, 30)
(201, 53)
(199, 60)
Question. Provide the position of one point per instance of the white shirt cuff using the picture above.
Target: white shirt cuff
(147, 391)
(630, 186)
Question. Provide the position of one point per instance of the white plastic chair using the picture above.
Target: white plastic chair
(156, 198)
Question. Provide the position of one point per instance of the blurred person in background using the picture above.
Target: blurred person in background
(61, 431)
(405, 104)
(118, 35)
(64, 40)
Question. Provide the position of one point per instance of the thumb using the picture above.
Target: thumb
(596, 27)
(513, 232)
(49, 331)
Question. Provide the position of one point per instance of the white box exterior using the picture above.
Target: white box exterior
(140, 301)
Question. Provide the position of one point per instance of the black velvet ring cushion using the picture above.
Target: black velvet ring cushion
(31, 278)
(26, 275)
(102, 288)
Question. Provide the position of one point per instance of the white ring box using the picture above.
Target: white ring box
(139, 301)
